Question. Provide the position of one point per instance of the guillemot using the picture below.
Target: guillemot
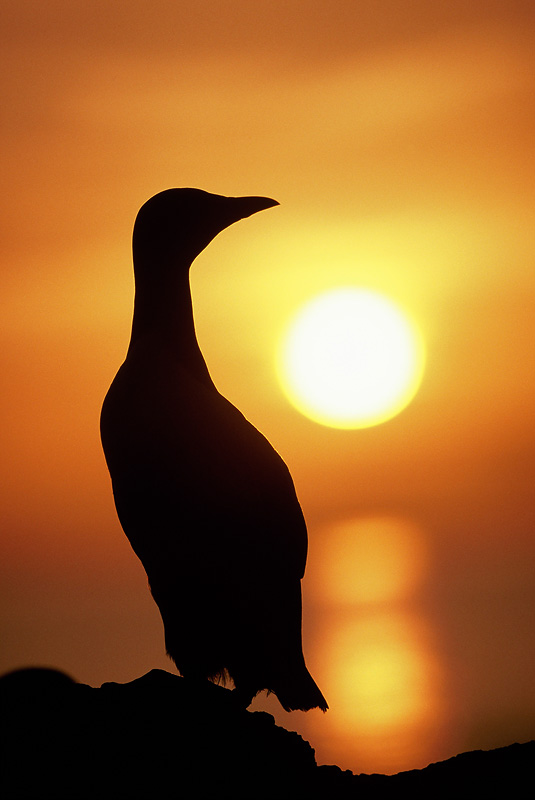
(206, 502)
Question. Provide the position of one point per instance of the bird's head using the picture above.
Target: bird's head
(174, 226)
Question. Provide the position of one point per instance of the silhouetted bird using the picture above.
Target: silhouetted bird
(207, 504)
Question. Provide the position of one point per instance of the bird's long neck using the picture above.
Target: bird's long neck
(163, 314)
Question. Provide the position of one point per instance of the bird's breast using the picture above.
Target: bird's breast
(182, 457)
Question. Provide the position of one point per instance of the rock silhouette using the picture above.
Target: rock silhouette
(206, 502)
(163, 736)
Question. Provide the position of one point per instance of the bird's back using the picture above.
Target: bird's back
(210, 509)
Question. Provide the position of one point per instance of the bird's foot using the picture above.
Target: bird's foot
(242, 698)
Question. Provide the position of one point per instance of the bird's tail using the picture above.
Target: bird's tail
(300, 692)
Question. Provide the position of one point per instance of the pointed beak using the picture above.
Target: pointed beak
(241, 207)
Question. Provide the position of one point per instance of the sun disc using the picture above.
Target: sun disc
(351, 358)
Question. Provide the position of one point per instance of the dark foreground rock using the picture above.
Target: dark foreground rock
(162, 737)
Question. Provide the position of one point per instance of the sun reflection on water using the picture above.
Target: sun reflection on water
(376, 657)
(370, 560)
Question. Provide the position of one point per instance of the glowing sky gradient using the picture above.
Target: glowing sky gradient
(398, 139)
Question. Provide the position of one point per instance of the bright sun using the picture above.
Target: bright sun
(351, 358)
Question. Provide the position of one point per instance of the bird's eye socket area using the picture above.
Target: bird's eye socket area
(175, 225)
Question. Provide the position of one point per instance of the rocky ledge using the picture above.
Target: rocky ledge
(162, 736)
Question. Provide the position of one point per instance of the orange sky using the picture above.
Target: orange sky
(398, 139)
